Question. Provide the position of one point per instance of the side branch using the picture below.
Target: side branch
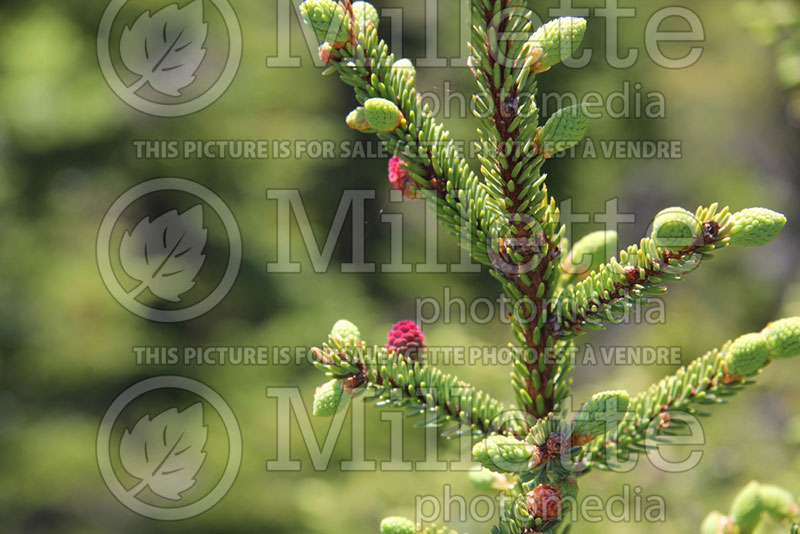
(429, 155)
(423, 389)
(617, 286)
(708, 380)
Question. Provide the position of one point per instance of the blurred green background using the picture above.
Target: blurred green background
(66, 346)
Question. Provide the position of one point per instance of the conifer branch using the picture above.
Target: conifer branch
(702, 382)
(511, 159)
(428, 153)
(514, 227)
(397, 380)
(617, 286)
(708, 380)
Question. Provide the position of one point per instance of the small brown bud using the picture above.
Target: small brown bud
(632, 275)
(544, 502)
(510, 107)
(352, 382)
(556, 445)
(710, 231)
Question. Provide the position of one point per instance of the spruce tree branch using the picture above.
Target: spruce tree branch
(428, 152)
(641, 270)
(704, 381)
(514, 227)
(511, 167)
(423, 389)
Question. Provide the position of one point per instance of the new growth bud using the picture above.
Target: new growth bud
(783, 338)
(754, 227)
(675, 229)
(328, 19)
(383, 115)
(779, 503)
(600, 412)
(346, 331)
(505, 454)
(565, 129)
(398, 525)
(555, 41)
(365, 15)
(746, 355)
(327, 398)
(746, 507)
